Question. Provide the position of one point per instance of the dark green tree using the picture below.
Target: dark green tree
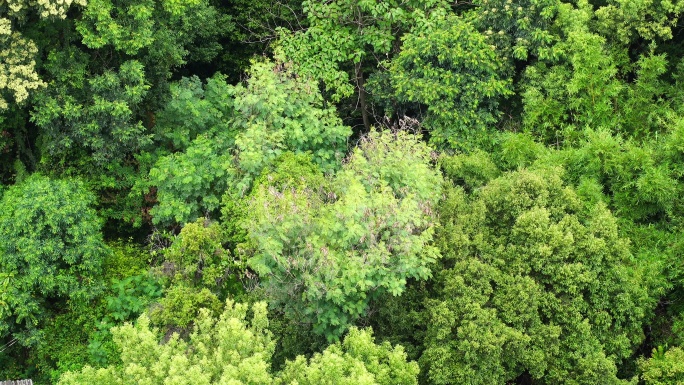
(51, 251)
(346, 41)
(455, 75)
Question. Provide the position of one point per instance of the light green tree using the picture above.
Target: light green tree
(248, 128)
(18, 74)
(197, 255)
(228, 350)
(325, 252)
(575, 89)
(233, 350)
(591, 81)
(652, 20)
(356, 360)
(664, 367)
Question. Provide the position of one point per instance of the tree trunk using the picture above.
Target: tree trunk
(362, 95)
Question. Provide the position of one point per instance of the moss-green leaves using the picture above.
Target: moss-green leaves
(50, 248)
(534, 283)
(451, 69)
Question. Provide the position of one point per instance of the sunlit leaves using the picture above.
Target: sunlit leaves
(664, 367)
(536, 283)
(648, 19)
(241, 130)
(276, 112)
(197, 255)
(230, 350)
(235, 349)
(356, 360)
(326, 253)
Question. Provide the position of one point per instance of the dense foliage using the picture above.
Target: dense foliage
(52, 251)
(232, 350)
(329, 249)
(536, 281)
(344, 191)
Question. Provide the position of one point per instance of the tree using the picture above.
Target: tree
(279, 111)
(450, 69)
(51, 250)
(98, 105)
(235, 350)
(248, 127)
(535, 283)
(106, 66)
(161, 34)
(575, 89)
(18, 73)
(663, 367)
(17, 66)
(325, 253)
(520, 30)
(650, 20)
(356, 360)
(96, 114)
(228, 350)
(22, 33)
(197, 255)
(346, 37)
(591, 81)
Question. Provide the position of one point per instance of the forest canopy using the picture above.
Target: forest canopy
(342, 192)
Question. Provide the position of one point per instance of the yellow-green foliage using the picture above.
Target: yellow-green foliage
(356, 360)
(126, 259)
(44, 8)
(534, 282)
(18, 74)
(228, 350)
(197, 255)
(181, 306)
(663, 368)
(235, 350)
